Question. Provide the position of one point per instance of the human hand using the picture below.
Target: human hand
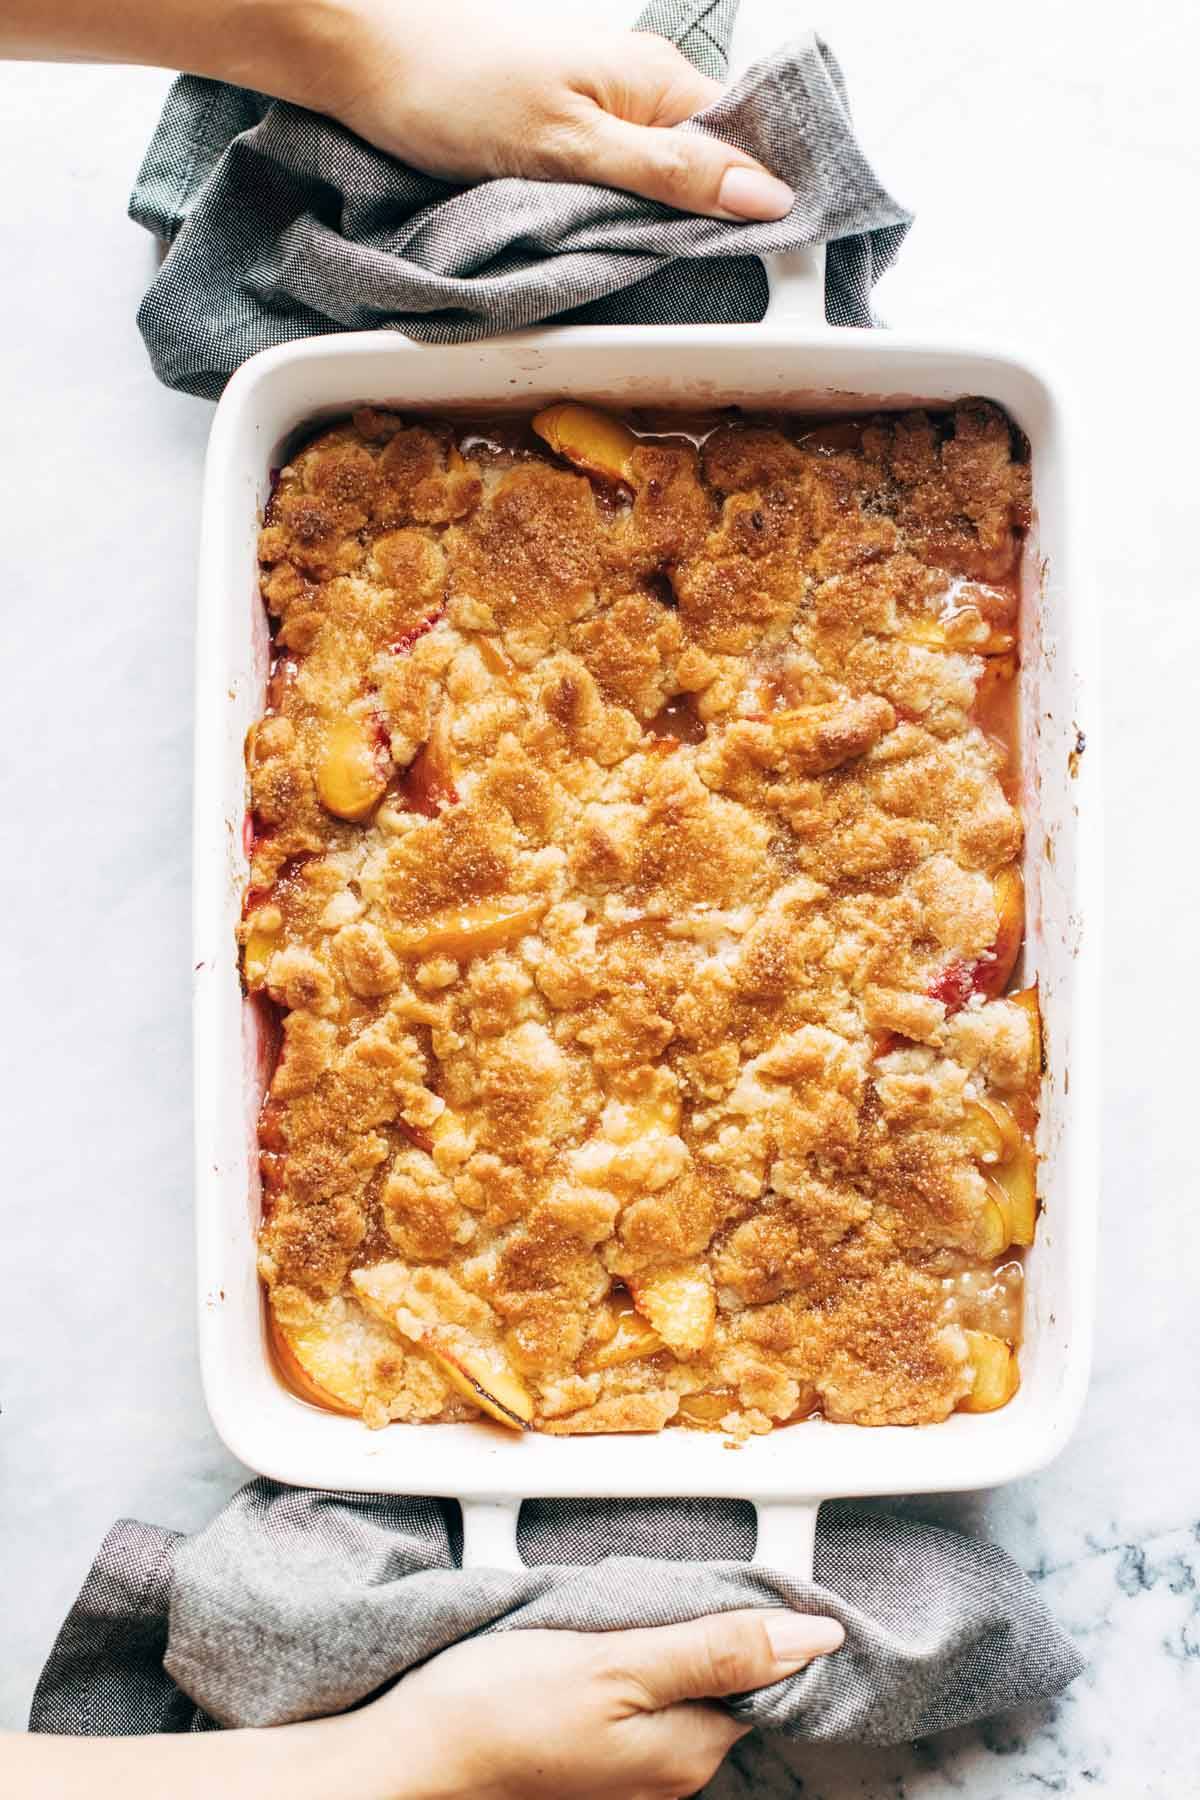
(464, 89)
(527, 1715)
(467, 89)
(565, 1715)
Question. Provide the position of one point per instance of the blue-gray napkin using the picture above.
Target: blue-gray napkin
(294, 1604)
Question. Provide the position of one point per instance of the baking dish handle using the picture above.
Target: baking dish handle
(796, 278)
(490, 1534)
(786, 1535)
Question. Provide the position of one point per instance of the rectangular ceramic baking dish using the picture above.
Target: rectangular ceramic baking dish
(791, 361)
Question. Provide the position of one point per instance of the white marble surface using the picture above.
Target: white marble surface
(1051, 155)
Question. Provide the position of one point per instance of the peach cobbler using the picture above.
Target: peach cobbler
(635, 869)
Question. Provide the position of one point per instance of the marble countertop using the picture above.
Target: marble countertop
(1054, 173)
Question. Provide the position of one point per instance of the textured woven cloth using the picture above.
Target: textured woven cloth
(294, 1604)
(281, 224)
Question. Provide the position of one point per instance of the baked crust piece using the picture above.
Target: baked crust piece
(625, 863)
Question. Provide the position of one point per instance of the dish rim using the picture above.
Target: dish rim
(491, 1472)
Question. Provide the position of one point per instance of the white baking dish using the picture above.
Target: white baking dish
(782, 363)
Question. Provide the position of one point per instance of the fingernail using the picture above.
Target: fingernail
(797, 1637)
(753, 194)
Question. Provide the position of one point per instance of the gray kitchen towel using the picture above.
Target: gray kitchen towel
(282, 224)
(294, 1604)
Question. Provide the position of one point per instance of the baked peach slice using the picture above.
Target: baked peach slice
(257, 952)
(495, 1390)
(494, 659)
(260, 943)
(1027, 1000)
(995, 1221)
(994, 1374)
(993, 971)
(680, 1305)
(628, 1337)
(990, 973)
(353, 768)
(1017, 1181)
(302, 1382)
(428, 783)
(633, 1339)
(328, 1358)
(991, 1132)
(469, 930)
(591, 439)
(708, 1409)
(1010, 1161)
(481, 1377)
(964, 629)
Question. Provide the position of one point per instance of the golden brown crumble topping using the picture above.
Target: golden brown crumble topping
(634, 866)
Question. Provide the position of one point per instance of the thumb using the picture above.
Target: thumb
(684, 169)
(724, 1653)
